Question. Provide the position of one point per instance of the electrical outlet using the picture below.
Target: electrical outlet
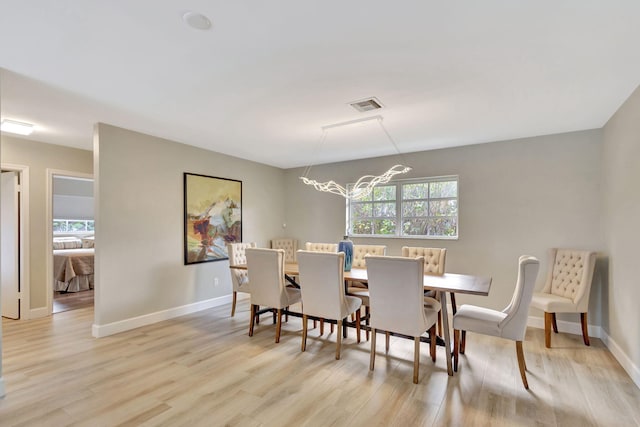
(216, 281)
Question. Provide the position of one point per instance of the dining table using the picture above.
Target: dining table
(451, 283)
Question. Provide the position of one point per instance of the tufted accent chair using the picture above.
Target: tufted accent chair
(360, 251)
(434, 263)
(396, 287)
(321, 247)
(434, 258)
(239, 278)
(566, 289)
(290, 247)
(268, 287)
(510, 323)
(357, 289)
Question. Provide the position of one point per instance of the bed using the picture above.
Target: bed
(73, 261)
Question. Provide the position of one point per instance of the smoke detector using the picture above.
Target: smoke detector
(367, 104)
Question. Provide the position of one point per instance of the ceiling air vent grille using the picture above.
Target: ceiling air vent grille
(366, 105)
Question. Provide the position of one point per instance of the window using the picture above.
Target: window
(425, 207)
(72, 225)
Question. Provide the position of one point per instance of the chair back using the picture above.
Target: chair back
(321, 247)
(361, 251)
(570, 274)
(266, 273)
(515, 324)
(237, 255)
(396, 294)
(434, 258)
(322, 284)
(290, 247)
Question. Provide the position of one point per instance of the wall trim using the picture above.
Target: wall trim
(627, 364)
(564, 326)
(99, 331)
(36, 313)
(596, 332)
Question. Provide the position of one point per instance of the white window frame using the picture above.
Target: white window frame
(86, 223)
(399, 212)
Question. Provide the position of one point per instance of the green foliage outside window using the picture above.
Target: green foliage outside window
(427, 207)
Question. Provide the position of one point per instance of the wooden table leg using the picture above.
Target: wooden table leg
(445, 326)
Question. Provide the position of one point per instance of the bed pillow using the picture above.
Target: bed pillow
(88, 242)
(66, 243)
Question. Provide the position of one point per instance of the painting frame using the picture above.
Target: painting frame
(212, 217)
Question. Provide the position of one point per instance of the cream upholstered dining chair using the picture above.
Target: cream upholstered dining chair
(323, 296)
(290, 247)
(321, 247)
(239, 278)
(510, 323)
(434, 263)
(566, 289)
(268, 287)
(396, 297)
(358, 289)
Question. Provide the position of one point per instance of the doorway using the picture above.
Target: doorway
(70, 226)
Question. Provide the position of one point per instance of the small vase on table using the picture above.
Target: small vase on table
(346, 246)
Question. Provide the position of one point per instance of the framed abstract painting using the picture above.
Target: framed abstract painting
(212, 217)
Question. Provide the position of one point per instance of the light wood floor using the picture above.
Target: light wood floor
(203, 370)
(72, 300)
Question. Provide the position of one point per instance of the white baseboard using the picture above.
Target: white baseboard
(627, 364)
(100, 331)
(574, 328)
(2, 389)
(36, 313)
(596, 332)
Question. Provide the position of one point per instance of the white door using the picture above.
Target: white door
(10, 256)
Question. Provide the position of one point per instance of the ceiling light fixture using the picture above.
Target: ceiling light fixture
(19, 128)
(197, 20)
(366, 183)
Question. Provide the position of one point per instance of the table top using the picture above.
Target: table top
(448, 282)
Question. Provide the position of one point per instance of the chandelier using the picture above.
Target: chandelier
(365, 184)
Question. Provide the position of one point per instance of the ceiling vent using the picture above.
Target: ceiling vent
(366, 105)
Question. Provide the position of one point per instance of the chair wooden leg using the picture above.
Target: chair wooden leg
(585, 330)
(338, 340)
(358, 325)
(233, 303)
(321, 326)
(252, 319)
(547, 329)
(331, 328)
(315, 324)
(372, 358)
(432, 342)
(278, 315)
(366, 321)
(304, 332)
(386, 341)
(463, 341)
(416, 359)
(554, 323)
(440, 323)
(286, 314)
(274, 313)
(257, 315)
(456, 348)
(522, 364)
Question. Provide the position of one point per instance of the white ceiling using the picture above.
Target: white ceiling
(264, 80)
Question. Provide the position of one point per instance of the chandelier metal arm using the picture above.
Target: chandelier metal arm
(365, 184)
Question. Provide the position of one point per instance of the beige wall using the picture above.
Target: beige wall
(39, 157)
(621, 166)
(139, 222)
(516, 197)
